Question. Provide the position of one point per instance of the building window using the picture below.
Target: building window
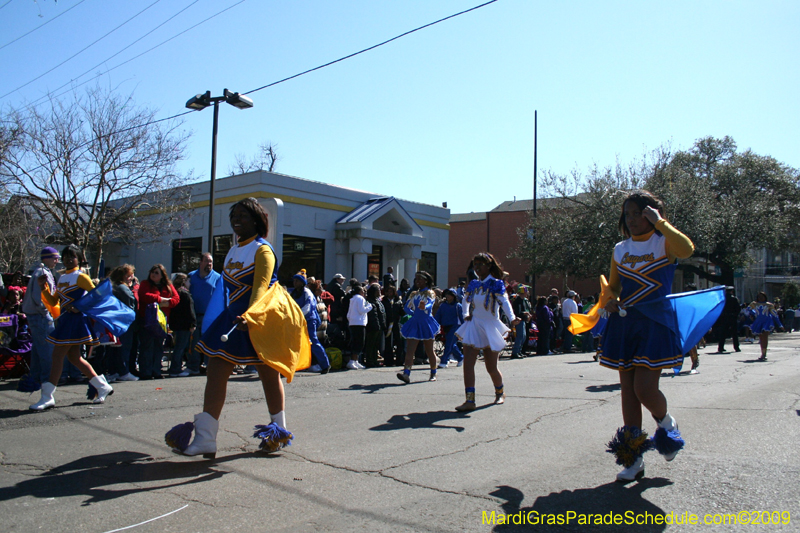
(301, 253)
(186, 254)
(374, 262)
(222, 245)
(428, 263)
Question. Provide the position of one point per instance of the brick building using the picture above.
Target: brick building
(495, 231)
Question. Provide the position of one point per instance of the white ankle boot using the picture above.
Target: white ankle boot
(205, 436)
(633, 472)
(46, 401)
(669, 425)
(103, 388)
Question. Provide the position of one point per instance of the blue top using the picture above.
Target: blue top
(201, 289)
(450, 314)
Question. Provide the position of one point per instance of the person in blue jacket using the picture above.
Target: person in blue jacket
(450, 315)
(308, 304)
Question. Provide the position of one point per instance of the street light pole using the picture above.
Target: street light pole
(198, 103)
(213, 177)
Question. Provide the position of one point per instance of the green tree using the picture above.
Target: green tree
(88, 168)
(790, 295)
(727, 202)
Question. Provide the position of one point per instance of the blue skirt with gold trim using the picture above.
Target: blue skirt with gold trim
(636, 340)
(237, 350)
(72, 329)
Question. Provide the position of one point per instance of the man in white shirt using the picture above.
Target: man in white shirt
(568, 307)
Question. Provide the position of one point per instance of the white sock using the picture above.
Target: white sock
(279, 418)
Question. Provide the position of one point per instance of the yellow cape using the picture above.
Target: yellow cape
(582, 323)
(278, 332)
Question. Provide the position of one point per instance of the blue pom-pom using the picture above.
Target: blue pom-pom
(667, 442)
(178, 437)
(628, 444)
(91, 394)
(273, 437)
(28, 384)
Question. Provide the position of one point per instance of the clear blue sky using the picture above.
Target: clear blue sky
(444, 114)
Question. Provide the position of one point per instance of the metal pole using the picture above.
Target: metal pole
(213, 175)
(535, 132)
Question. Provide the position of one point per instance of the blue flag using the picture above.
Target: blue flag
(101, 305)
(216, 305)
(689, 314)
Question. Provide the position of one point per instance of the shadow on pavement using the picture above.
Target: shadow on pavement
(375, 387)
(88, 476)
(603, 388)
(623, 500)
(425, 420)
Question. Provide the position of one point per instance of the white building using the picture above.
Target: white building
(323, 228)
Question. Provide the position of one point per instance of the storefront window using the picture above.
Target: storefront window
(428, 263)
(301, 253)
(186, 254)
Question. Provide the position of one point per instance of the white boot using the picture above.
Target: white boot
(47, 401)
(633, 472)
(103, 388)
(671, 427)
(205, 436)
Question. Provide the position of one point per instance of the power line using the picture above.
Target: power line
(80, 51)
(115, 55)
(40, 25)
(151, 49)
(371, 47)
(270, 84)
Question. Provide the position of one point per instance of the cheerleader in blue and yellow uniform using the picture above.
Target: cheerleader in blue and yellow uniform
(421, 326)
(249, 272)
(482, 328)
(639, 347)
(765, 322)
(72, 330)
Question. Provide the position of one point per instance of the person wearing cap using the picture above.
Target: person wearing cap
(40, 321)
(308, 305)
(450, 316)
(568, 307)
(522, 308)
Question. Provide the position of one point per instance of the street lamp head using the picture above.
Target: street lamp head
(199, 102)
(237, 100)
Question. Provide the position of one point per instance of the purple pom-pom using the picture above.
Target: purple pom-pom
(91, 394)
(178, 437)
(667, 442)
(273, 437)
(28, 384)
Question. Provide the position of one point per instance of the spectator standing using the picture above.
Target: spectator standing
(308, 305)
(202, 283)
(568, 307)
(726, 325)
(121, 278)
(358, 308)
(183, 323)
(158, 289)
(388, 278)
(544, 322)
(40, 321)
(522, 308)
(376, 326)
(450, 316)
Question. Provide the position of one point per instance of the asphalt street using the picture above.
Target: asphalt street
(373, 454)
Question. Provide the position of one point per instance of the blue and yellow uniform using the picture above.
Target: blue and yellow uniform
(72, 329)
(642, 269)
(249, 270)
